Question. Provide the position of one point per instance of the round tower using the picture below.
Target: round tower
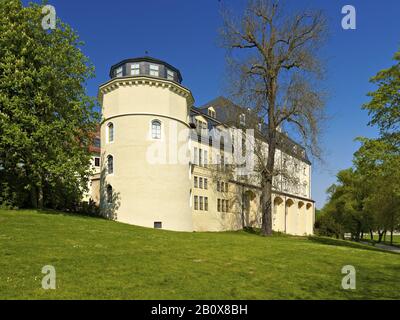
(144, 109)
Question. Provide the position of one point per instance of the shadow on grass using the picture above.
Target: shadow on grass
(345, 243)
(60, 213)
(257, 232)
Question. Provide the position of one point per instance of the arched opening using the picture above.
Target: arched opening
(110, 132)
(156, 129)
(278, 215)
(110, 164)
(109, 194)
(301, 219)
(309, 213)
(291, 218)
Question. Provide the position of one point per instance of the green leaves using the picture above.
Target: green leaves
(384, 106)
(45, 115)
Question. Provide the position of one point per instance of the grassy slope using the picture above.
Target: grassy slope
(95, 258)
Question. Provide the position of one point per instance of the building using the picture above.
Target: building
(158, 151)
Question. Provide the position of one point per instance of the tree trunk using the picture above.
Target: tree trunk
(266, 229)
(380, 235)
(391, 237)
(40, 198)
(34, 201)
(372, 234)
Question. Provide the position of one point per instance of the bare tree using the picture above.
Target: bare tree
(277, 73)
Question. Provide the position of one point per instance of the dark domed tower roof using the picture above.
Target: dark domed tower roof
(146, 66)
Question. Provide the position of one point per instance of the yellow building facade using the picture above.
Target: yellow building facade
(157, 165)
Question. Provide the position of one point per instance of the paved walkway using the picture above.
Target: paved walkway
(384, 247)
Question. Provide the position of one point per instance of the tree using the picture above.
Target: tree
(46, 118)
(380, 158)
(345, 211)
(276, 69)
(378, 161)
(384, 106)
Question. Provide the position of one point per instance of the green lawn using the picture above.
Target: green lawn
(99, 259)
(396, 240)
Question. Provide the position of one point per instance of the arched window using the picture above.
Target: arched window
(110, 133)
(109, 194)
(156, 129)
(110, 164)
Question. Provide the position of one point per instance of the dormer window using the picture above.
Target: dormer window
(242, 119)
(170, 75)
(154, 70)
(135, 69)
(118, 72)
(211, 113)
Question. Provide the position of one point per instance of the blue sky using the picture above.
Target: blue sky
(185, 34)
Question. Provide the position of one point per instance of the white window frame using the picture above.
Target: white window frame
(108, 132)
(108, 165)
(135, 69)
(109, 201)
(170, 75)
(119, 72)
(154, 70)
(156, 133)
(242, 119)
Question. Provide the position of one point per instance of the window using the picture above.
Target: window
(156, 129)
(211, 113)
(135, 69)
(218, 186)
(97, 162)
(205, 158)
(154, 70)
(110, 132)
(219, 205)
(242, 119)
(226, 206)
(110, 164)
(109, 194)
(205, 203)
(222, 187)
(196, 183)
(201, 183)
(200, 157)
(196, 203)
(119, 72)
(157, 225)
(97, 142)
(223, 205)
(205, 183)
(201, 203)
(226, 187)
(170, 75)
(195, 160)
